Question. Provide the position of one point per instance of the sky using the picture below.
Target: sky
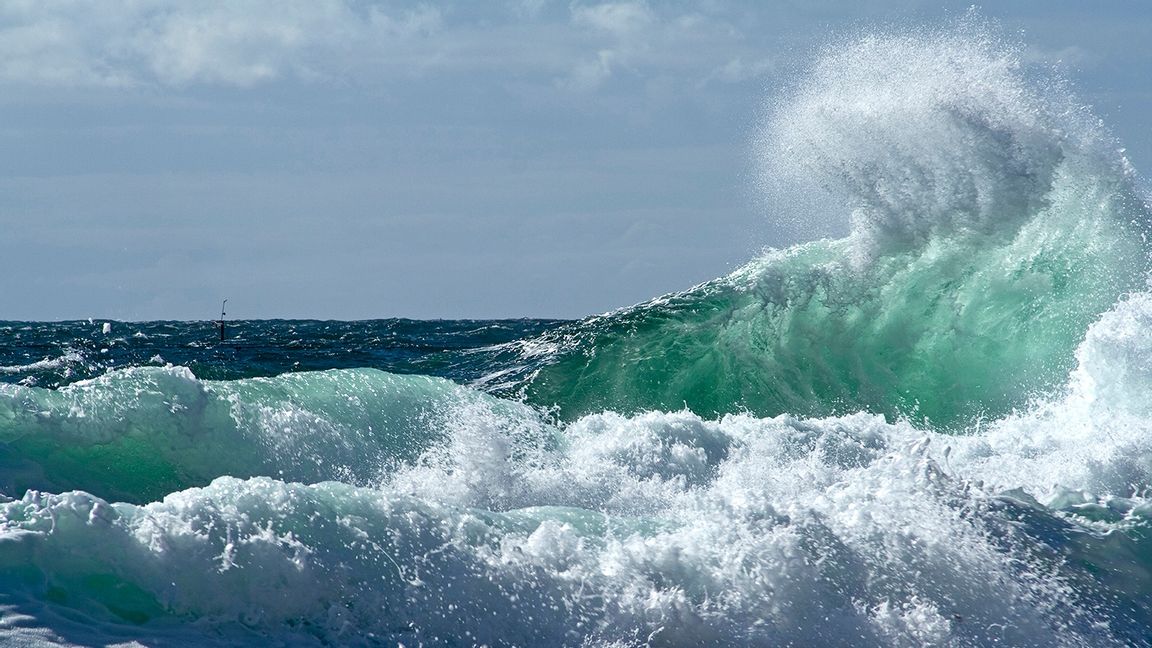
(356, 159)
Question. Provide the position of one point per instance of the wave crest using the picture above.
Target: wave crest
(992, 222)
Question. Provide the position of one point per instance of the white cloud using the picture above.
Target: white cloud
(528, 8)
(124, 42)
(587, 75)
(223, 44)
(58, 43)
(690, 48)
(619, 18)
(574, 47)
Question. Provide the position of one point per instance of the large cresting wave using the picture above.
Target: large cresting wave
(991, 221)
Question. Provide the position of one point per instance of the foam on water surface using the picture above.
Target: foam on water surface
(664, 528)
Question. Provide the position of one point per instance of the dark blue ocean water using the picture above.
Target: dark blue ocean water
(52, 354)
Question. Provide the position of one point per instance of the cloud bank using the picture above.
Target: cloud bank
(579, 46)
(128, 42)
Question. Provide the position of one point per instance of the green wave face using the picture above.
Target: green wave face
(945, 335)
(139, 434)
(990, 225)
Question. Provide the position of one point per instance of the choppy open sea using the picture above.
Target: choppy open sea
(936, 430)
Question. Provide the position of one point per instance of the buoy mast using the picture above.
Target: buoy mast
(221, 320)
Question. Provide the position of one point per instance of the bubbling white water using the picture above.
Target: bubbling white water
(1091, 440)
(658, 529)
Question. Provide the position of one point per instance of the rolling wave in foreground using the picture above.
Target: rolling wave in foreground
(934, 431)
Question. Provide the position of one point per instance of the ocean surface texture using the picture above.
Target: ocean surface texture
(936, 430)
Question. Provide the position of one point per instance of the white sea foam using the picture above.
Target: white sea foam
(69, 358)
(661, 528)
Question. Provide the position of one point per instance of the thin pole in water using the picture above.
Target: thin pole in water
(221, 322)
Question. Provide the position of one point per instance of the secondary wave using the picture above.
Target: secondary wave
(138, 434)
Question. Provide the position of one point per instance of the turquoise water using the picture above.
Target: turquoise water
(933, 431)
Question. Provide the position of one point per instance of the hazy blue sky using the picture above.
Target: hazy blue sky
(355, 159)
